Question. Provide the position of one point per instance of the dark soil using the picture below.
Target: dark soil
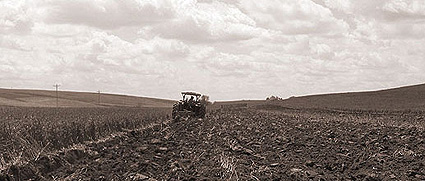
(250, 145)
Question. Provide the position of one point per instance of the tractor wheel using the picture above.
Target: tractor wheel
(202, 112)
(175, 113)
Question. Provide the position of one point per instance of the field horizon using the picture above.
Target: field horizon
(410, 97)
(47, 98)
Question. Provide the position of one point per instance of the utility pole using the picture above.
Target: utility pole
(57, 94)
(98, 97)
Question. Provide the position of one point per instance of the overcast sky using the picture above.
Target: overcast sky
(228, 49)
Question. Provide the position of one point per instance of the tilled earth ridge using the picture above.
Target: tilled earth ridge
(254, 145)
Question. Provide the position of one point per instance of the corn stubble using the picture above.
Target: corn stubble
(27, 133)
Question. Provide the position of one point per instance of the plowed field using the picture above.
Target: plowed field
(247, 144)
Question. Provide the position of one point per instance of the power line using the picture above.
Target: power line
(98, 97)
(57, 94)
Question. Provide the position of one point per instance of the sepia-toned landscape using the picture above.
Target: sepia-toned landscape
(128, 90)
(289, 139)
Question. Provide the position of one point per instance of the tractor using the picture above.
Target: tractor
(192, 105)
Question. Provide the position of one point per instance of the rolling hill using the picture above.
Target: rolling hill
(44, 98)
(402, 98)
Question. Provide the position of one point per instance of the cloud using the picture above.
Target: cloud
(239, 49)
(340, 5)
(208, 22)
(59, 30)
(403, 31)
(10, 42)
(190, 20)
(106, 14)
(294, 17)
(104, 52)
(231, 65)
(15, 17)
(406, 9)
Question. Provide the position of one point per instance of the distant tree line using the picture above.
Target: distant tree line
(274, 98)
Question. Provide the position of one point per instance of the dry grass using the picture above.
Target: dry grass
(27, 133)
(229, 166)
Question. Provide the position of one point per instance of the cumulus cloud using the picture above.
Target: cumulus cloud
(340, 5)
(107, 14)
(294, 17)
(238, 49)
(15, 17)
(413, 9)
(209, 22)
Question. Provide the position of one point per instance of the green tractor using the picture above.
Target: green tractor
(192, 105)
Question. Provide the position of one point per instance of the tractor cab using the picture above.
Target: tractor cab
(187, 96)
